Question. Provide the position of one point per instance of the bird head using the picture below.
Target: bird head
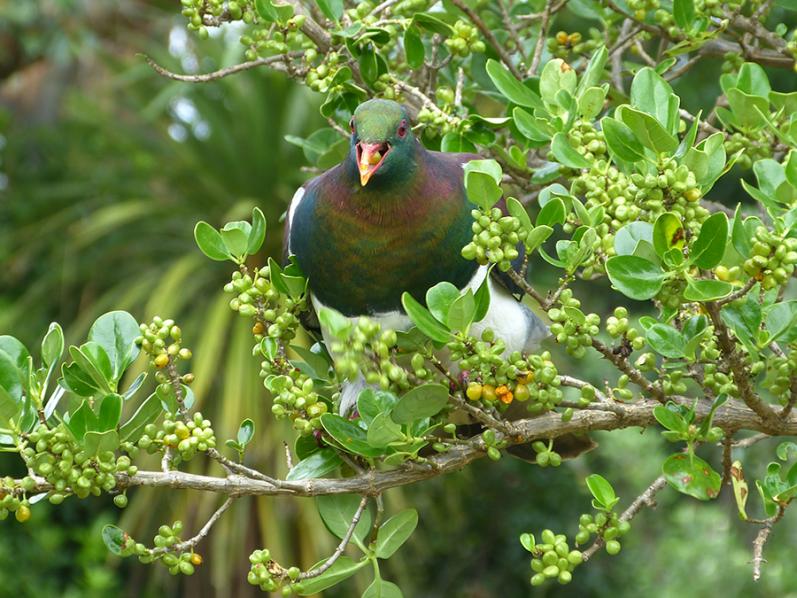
(382, 140)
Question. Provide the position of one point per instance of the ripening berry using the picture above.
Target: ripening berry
(22, 514)
(161, 361)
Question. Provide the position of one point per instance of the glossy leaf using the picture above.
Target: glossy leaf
(634, 276)
(420, 402)
(337, 512)
(116, 333)
(424, 320)
(147, 413)
(258, 233)
(317, 465)
(511, 88)
(691, 475)
(349, 435)
(602, 490)
(394, 532)
(566, 154)
(246, 431)
(708, 249)
(209, 241)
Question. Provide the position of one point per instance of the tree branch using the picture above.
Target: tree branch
(733, 415)
(276, 62)
(761, 539)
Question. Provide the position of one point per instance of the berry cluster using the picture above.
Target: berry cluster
(773, 259)
(270, 575)
(563, 43)
(256, 296)
(10, 501)
(495, 238)
(168, 550)
(465, 40)
(571, 327)
(545, 454)
(618, 326)
(780, 370)
(497, 381)
(756, 143)
(54, 454)
(186, 437)
(552, 559)
(162, 341)
(295, 397)
(368, 349)
(263, 41)
(606, 525)
(587, 140)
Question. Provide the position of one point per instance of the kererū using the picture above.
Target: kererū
(393, 217)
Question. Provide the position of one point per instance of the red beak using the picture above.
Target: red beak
(369, 158)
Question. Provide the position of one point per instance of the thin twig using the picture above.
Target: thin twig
(192, 542)
(540, 45)
(761, 539)
(276, 62)
(643, 500)
(342, 546)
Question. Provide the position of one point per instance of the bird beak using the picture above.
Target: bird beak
(369, 158)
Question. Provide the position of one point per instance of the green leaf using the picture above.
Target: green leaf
(380, 588)
(602, 490)
(20, 357)
(462, 312)
(332, 9)
(81, 421)
(10, 377)
(511, 88)
(424, 320)
(743, 232)
(621, 141)
(413, 48)
(591, 102)
(565, 154)
(665, 340)
(668, 233)
(707, 290)
(114, 539)
(594, 71)
(420, 402)
(77, 381)
(93, 360)
(258, 233)
(100, 442)
(648, 130)
(10, 408)
(246, 431)
(341, 570)
(439, 299)
(133, 429)
(634, 276)
(432, 23)
(383, 430)
(337, 511)
(654, 96)
(691, 475)
(684, 13)
(556, 75)
(482, 179)
(116, 333)
(236, 237)
(709, 247)
(349, 435)
(317, 465)
(209, 241)
(372, 402)
(110, 412)
(627, 238)
(335, 322)
(552, 213)
(528, 126)
(516, 209)
(669, 418)
(394, 532)
(53, 345)
(482, 298)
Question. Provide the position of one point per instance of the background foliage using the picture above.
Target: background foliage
(105, 168)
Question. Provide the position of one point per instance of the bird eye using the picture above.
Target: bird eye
(402, 129)
(351, 124)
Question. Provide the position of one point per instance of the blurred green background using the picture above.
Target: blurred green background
(104, 169)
